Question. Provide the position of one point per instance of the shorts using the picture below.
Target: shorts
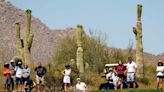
(8, 80)
(24, 79)
(19, 80)
(130, 77)
(121, 75)
(160, 76)
(66, 79)
(39, 80)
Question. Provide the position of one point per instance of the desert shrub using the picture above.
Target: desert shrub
(95, 52)
(144, 80)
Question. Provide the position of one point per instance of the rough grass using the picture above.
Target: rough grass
(131, 90)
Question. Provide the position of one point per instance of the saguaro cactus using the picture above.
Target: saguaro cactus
(79, 58)
(28, 37)
(139, 46)
(19, 42)
(25, 46)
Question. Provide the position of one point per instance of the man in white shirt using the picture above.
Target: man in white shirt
(18, 75)
(131, 71)
(81, 86)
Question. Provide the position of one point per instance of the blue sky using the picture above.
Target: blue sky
(115, 18)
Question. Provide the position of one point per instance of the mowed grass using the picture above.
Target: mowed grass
(131, 90)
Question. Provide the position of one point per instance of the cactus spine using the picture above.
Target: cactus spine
(139, 46)
(79, 58)
(28, 37)
(25, 46)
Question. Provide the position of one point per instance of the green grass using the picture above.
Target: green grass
(131, 90)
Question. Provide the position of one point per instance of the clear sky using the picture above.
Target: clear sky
(115, 18)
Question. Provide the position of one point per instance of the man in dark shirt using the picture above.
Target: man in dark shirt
(40, 72)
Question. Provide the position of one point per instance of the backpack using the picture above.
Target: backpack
(40, 71)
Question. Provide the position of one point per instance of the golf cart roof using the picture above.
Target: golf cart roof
(111, 65)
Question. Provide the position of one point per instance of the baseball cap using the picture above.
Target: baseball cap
(78, 79)
(11, 61)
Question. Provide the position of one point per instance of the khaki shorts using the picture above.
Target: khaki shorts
(39, 80)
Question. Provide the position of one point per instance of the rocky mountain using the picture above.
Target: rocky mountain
(45, 40)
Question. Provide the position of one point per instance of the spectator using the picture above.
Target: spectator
(29, 84)
(160, 74)
(40, 72)
(12, 67)
(81, 86)
(19, 75)
(120, 71)
(66, 79)
(7, 76)
(26, 72)
(131, 71)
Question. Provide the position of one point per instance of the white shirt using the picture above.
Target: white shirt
(114, 78)
(81, 86)
(67, 72)
(19, 72)
(131, 67)
(108, 75)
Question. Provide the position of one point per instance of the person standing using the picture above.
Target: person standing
(160, 74)
(120, 71)
(26, 72)
(131, 71)
(67, 79)
(19, 75)
(81, 86)
(12, 67)
(7, 76)
(40, 72)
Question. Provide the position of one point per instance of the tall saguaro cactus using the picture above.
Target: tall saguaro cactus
(25, 46)
(28, 37)
(139, 46)
(79, 58)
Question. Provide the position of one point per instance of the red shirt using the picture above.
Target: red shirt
(6, 72)
(120, 69)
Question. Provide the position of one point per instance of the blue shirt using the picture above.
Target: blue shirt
(26, 72)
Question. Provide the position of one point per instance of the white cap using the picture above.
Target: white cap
(11, 61)
(78, 79)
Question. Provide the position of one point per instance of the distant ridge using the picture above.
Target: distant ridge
(45, 40)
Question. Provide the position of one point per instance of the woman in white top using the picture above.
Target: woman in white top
(81, 86)
(160, 74)
(66, 79)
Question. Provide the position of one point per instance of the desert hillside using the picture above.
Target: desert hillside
(44, 42)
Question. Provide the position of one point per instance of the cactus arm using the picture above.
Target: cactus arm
(134, 30)
(19, 42)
